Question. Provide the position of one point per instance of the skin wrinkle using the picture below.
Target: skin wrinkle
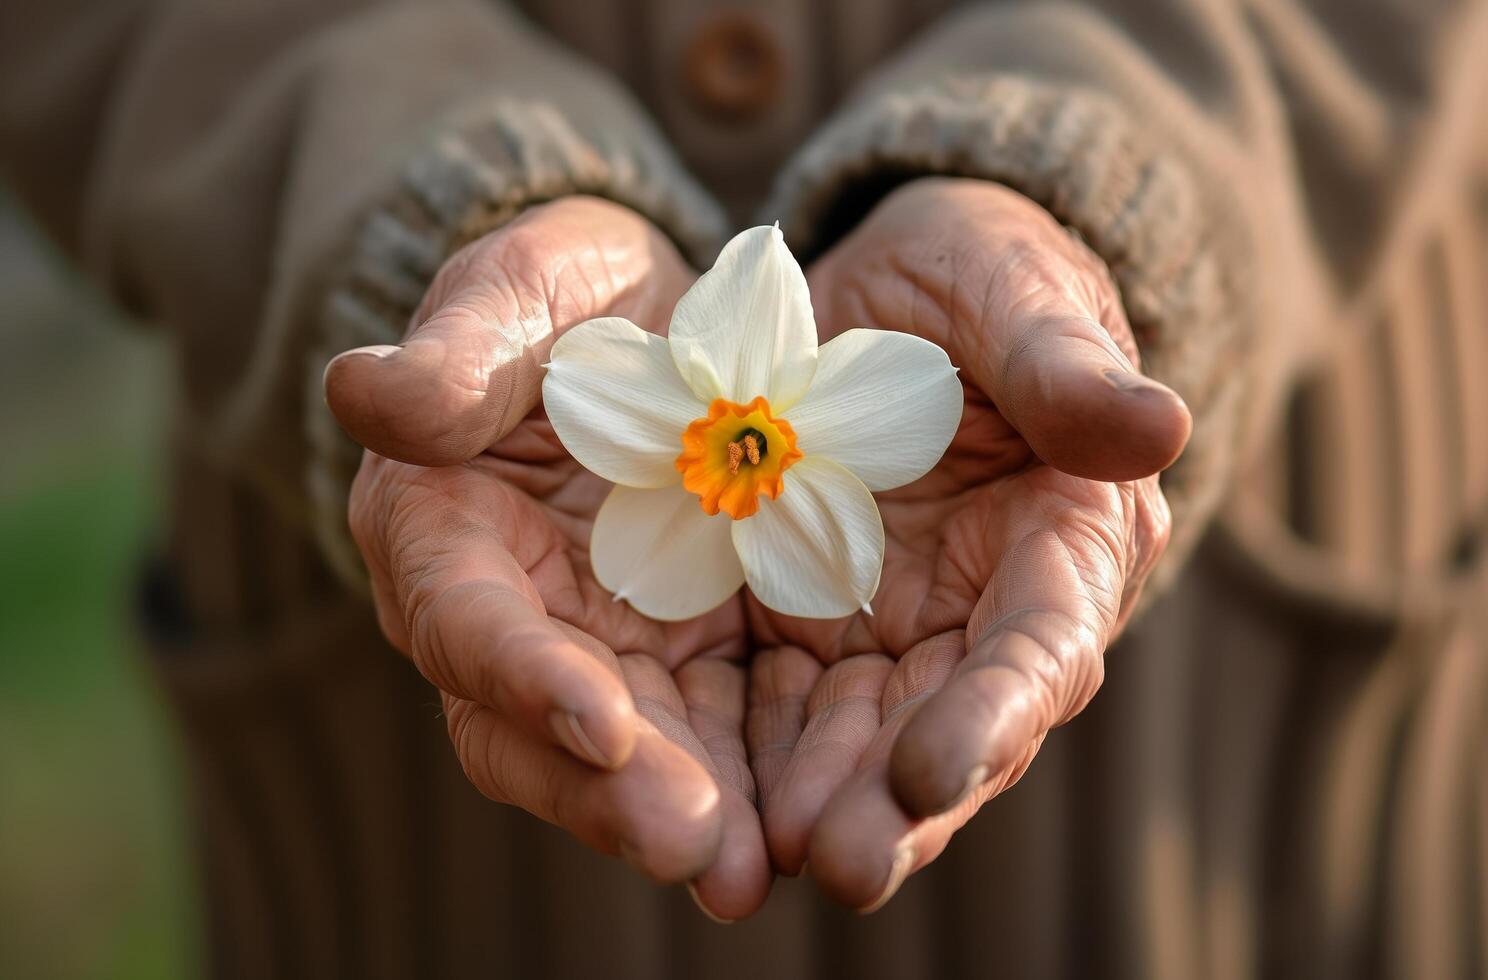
(1008, 778)
(1099, 532)
(843, 678)
(726, 755)
(945, 597)
(1063, 675)
(889, 713)
(467, 722)
(428, 650)
(560, 807)
(565, 599)
(850, 707)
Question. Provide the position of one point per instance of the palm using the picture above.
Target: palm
(935, 561)
(554, 500)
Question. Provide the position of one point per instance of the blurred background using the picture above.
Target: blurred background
(94, 875)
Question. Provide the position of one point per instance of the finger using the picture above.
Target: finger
(470, 368)
(1050, 343)
(780, 682)
(485, 641)
(737, 882)
(661, 813)
(1035, 663)
(1061, 380)
(863, 846)
(476, 626)
(844, 714)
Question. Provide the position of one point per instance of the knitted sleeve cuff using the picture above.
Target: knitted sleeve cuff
(492, 162)
(1079, 155)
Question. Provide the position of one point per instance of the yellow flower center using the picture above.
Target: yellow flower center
(734, 454)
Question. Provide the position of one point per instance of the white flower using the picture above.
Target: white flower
(740, 451)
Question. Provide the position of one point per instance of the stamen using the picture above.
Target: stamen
(751, 448)
(736, 455)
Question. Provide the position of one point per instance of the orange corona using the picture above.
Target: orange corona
(734, 454)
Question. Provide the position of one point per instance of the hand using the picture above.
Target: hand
(1009, 567)
(474, 523)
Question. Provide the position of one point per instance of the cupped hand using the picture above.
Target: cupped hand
(1008, 568)
(474, 524)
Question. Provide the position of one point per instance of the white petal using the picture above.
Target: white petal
(885, 405)
(657, 550)
(617, 403)
(745, 328)
(816, 550)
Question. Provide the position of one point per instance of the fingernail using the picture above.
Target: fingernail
(376, 351)
(975, 778)
(697, 900)
(898, 871)
(571, 736)
(1131, 383)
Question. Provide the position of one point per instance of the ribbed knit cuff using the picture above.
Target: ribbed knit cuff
(491, 163)
(1080, 156)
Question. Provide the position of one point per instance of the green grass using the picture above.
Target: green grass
(95, 881)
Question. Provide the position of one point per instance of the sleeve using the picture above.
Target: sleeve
(1241, 168)
(278, 181)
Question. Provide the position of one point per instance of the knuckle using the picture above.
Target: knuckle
(433, 616)
(444, 624)
(425, 608)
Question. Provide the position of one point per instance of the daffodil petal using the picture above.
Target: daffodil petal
(883, 404)
(817, 550)
(745, 328)
(617, 402)
(657, 550)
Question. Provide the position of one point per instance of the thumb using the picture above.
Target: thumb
(1075, 397)
(470, 368)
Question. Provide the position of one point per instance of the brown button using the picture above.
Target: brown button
(734, 67)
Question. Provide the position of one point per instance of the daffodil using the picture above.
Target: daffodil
(739, 449)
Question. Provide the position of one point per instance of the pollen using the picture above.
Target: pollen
(745, 447)
(736, 454)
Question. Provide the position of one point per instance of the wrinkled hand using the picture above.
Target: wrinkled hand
(474, 523)
(1009, 567)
